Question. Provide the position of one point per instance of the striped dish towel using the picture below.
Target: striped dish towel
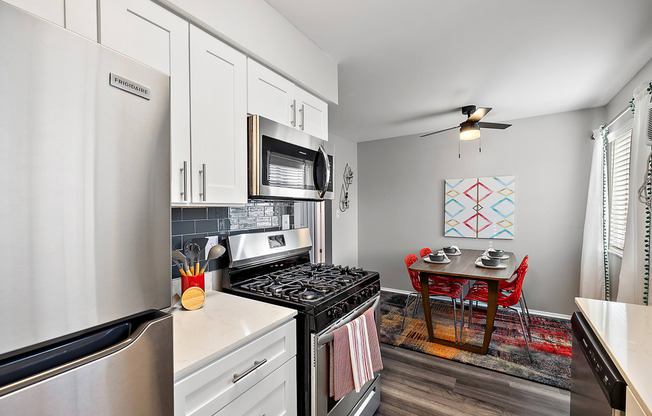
(359, 350)
(341, 380)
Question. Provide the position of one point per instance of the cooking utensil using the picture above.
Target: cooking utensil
(177, 254)
(215, 252)
(201, 242)
(179, 266)
(192, 252)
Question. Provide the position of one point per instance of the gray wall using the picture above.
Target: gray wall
(345, 224)
(401, 184)
(621, 99)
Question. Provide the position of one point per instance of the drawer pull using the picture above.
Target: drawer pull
(238, 377)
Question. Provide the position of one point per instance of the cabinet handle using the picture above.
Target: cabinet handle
(184, 192)
(294, 113)
(238, 377)
(202, 172)
(303, 117)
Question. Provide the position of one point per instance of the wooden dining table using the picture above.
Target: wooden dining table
(463, 266)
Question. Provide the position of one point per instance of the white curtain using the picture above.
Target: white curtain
(634, 271)
(594, 272)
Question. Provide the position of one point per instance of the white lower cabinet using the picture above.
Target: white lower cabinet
(275, 395)
(258, 378)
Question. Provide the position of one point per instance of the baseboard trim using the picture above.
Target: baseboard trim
(532, 311)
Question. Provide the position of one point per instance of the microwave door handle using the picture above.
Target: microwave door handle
(321, 154)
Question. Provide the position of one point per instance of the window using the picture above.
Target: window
(619, 156)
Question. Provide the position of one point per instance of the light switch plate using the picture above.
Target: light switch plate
(212, 241)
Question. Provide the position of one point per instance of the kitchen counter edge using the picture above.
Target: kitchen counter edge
(223, 324)
(625, 331)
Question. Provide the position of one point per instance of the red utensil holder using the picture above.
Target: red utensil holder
(192, 281)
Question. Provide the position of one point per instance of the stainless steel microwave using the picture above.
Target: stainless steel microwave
(288, 163)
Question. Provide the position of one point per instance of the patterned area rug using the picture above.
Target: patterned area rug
(550, 345)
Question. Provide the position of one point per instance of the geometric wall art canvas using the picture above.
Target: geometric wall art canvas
(498, 197)
(459, 208)
(480, 207)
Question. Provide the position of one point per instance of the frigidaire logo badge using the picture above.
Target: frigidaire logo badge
(129, 86)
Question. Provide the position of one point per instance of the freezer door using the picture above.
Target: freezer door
(133, 377)
(85, 182)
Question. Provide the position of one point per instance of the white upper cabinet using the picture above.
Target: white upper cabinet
(312, 114)
(218, 91)
(209, 146)
(79, 16)
(276, 98)
(150, 34)
(270, 95)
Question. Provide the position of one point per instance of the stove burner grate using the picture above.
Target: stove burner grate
(304, 283)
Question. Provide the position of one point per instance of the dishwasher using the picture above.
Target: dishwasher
(597, 388)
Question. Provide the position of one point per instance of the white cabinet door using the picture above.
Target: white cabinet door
(275, 395)
(312, 114)
(150, 34)
(218, 90)
(270, 95)
(52, 10)
(276, 98)
(79, 16)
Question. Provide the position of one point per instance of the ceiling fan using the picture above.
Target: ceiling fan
(470, 129)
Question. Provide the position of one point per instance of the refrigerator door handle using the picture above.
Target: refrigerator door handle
(73, 354)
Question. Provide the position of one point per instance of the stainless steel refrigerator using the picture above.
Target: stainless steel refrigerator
(85, 226)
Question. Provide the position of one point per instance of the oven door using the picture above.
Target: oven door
(363, 403)
(287, 163)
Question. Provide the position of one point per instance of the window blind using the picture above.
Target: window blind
(620, 149)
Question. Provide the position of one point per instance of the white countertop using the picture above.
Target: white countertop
(625, 330)
(223, 324)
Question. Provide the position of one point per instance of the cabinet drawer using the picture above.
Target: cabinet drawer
(209, 389)
(275, 395)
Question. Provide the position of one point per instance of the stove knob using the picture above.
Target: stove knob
(337, 312)
(356, 299)
(345, 307)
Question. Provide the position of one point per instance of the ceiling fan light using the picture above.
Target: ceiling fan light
(469, 130)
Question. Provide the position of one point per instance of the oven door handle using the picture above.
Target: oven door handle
(328, 336)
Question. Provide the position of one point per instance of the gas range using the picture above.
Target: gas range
(274, 267)
(308, 283)
(323, 292)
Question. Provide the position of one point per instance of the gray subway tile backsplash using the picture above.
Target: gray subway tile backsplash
(195, 213)
(192, 222)
(183, 227)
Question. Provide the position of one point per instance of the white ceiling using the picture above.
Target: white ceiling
(404, 65)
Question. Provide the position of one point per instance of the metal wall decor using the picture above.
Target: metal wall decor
(344, 192)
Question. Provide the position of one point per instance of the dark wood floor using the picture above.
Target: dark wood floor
(414, 383)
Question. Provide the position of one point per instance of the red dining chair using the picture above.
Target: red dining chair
(435, 288)
(506, 299)
(424, 252)
(509, 285)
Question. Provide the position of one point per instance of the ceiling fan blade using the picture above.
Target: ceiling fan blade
(486, 125)
(479, 113)
(439, 131)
